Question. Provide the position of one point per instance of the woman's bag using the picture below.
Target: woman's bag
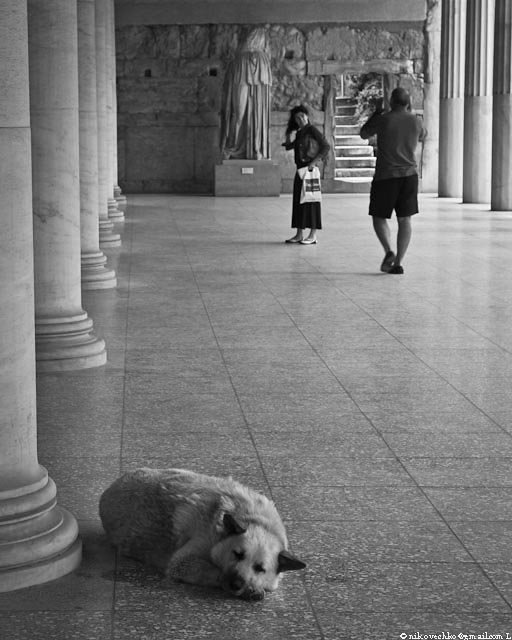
(311, 190)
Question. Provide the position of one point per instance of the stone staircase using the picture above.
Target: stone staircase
(355, 161)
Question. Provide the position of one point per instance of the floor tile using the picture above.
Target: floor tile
(334, 471)
(432, 444)
(470, 419)
(323, 545)
(486, 541)
(500, 575)
(390, 626)
(373, 410)
(326, 443)
(460, 472)
(370, 503)
(309, 419)
(390, 587)
(41, 625)
(179, 445)
(472, 504)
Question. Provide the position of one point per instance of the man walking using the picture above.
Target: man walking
(395, 182)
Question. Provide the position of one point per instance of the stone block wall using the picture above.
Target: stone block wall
(170, 81)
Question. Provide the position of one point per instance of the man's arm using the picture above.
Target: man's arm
(369, 128)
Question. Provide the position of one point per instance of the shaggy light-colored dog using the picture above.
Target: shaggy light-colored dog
(199, 529)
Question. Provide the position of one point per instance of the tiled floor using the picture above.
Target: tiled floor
(376, 410)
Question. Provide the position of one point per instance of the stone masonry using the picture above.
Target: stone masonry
(170, 84)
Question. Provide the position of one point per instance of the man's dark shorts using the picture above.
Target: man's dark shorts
(400, 194)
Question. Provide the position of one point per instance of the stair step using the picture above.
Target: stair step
(355, 162)
(344, 119)
(345, 110)
(341, 100)
(354, 150)
(354, 173)
(350, 141)
(347, 129)
(354, 185)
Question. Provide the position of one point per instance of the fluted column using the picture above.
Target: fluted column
(38, 540)
(118, 195)
(114, 212)
(95, 274)
(108, 238)
(501, 182)
(64, 332)
(451, 104)
(476, 181)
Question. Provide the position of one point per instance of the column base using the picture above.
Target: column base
(39, 540)
(108, 239)
(114, 213)
(68, 344)
(120, 198)
(95, 274)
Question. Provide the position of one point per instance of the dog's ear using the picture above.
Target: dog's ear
(232, 526)
(287, 562)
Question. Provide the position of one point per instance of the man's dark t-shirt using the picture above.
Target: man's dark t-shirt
(398, 133)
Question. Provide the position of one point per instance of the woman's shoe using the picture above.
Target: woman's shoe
(293, 240)
(308, 241)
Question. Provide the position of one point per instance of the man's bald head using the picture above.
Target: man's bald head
(400, 98)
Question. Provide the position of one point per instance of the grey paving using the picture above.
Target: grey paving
(374, 409)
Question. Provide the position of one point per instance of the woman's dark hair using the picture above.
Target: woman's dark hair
(292, 125)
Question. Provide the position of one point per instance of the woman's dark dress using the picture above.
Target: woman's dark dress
(309, 214)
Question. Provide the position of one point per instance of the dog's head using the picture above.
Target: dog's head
(251, 559)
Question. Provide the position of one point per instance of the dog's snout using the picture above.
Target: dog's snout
(238, 587)
(236, 583)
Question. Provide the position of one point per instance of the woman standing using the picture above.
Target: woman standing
(309, 147)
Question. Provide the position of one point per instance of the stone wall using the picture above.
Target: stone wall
(170, 88)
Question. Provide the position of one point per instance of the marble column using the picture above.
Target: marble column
(64, 332)
(108, 238)
(118, 195)
(38, 539)
(95, 274)
(451, 104)
(501, 181)
(431, 75)
(114, 212)
(476, 179)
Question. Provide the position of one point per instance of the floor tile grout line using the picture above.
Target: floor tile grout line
(438, 374)
(128, 223)
(221, 353)
(254, 444)
(397, 458)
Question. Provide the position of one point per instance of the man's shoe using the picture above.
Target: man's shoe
(396, 268)
(387, 263)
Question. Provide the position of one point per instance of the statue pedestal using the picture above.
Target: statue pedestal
(247, 178)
